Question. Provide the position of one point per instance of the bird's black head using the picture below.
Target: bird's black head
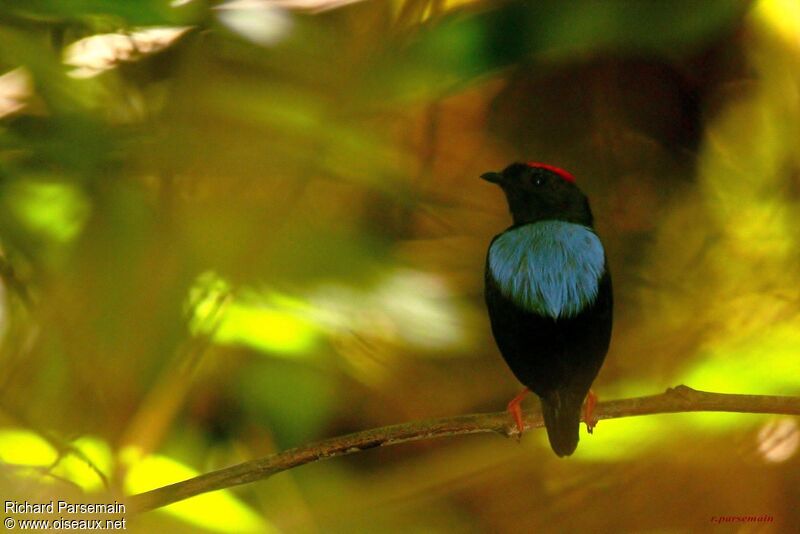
(538, 192)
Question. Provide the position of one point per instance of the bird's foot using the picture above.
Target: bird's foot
(588, 414)
(516, 411)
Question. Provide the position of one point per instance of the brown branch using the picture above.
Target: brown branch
(678, 399)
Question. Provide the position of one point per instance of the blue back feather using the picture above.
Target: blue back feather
(552, 268)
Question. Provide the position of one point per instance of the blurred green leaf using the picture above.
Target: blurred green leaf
(460, 47)
(77, 470)
(141, 12)
(219, 511)
(46, 210)
(273, 324)
(764, 363)
(23, 447)
(268, 322)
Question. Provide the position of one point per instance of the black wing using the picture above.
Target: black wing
(552, 355)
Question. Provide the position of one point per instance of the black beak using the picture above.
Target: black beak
(494, 177)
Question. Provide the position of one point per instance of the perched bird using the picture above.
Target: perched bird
(548, 291)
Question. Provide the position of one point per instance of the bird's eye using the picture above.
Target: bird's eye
(538, 181)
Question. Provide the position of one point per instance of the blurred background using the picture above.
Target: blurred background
(230, 228)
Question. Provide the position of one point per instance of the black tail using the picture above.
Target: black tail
(562, 417)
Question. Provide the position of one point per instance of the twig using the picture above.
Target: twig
(678, 399)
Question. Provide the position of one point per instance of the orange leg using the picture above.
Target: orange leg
(588, 414)
(515, 410)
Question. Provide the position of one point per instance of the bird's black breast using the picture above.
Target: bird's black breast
(548, 354)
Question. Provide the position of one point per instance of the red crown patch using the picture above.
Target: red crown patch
(559, 171)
